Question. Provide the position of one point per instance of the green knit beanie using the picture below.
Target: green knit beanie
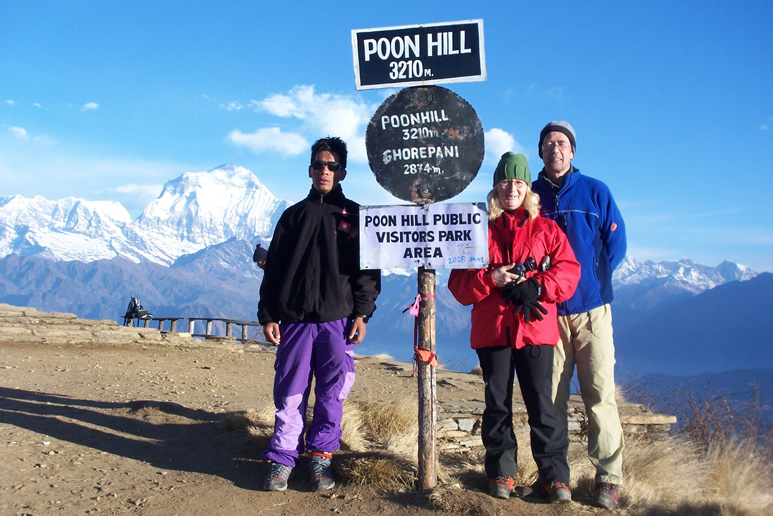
(512, 166)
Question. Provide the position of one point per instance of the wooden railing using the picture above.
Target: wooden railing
(208, 331)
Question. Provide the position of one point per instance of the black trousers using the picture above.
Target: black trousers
(549, 443)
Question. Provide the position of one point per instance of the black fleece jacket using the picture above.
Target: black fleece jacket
(312, 271)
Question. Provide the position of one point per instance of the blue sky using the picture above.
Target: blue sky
(107, 100)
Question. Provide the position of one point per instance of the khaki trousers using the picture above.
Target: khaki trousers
(586, 342)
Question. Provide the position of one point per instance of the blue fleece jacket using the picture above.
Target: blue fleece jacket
(584, 209)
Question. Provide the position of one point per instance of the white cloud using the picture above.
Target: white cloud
(136, 196)
(37, 105)
(59, 174)
(44, 139)
(318, 115)
(656, 254)
(556, 93)
(151, 191)
(232, 106)
(279, 105)
(20, 133)
(10, 102)
(322, 114)
(269, 139)
(90, 106)
(499, 141)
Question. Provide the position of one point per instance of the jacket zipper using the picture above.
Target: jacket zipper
(314, 257)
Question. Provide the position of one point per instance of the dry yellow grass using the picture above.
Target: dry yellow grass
(391, 423)
(741, 477)
(661, 479)
(662, 474)
(351, 428)
(382, 470)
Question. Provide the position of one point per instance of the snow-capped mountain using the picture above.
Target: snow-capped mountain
(194, 211)
(683, 274)
(644, 288)
(206, 208)
(70, 229)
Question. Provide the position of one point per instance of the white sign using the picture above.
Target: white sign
(436, 236)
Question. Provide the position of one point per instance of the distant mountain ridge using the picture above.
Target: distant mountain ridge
(189, 254)
(724, 328)
(642, 288)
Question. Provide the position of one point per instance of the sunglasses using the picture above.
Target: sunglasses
(331, 165)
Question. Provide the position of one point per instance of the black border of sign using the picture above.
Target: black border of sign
(399, 84)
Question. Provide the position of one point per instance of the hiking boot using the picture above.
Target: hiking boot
(606, 495)
(558, 492)
(321, 466)
(277, 477)
(501, 487)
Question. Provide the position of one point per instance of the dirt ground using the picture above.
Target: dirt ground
(124, 430)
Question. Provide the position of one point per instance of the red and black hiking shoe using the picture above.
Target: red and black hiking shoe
(558, 492)
(501, 487)
(606, 495)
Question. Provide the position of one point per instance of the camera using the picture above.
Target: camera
(529, 264)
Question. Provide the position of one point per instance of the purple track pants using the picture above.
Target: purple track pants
(308, 349)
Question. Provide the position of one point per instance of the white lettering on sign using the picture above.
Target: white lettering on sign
(396, 48)
(434, 235)
(417, 133)
(411, 69)
(447, 43)
(411, 153)
(407, 120)
(444, 44)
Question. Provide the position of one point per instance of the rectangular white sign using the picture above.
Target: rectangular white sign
(436, 236)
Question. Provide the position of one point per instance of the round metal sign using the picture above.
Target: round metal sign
(425, 144)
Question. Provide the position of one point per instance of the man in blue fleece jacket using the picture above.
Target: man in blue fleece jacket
(584, 209)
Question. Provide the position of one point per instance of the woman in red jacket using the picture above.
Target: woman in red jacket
(514, 329)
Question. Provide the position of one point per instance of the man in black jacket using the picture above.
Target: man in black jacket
(314, 303)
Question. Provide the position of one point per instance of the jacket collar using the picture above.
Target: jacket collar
(335, 196)
(563, 182)
(514, 218)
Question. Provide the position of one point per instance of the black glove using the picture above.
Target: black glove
(524, 292)
(532, 311)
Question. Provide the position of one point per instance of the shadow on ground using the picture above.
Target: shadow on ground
(166, 435)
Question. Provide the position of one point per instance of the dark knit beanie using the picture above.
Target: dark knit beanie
(512, 166)
(561, 127)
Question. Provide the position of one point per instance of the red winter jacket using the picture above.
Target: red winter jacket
(511, 239)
